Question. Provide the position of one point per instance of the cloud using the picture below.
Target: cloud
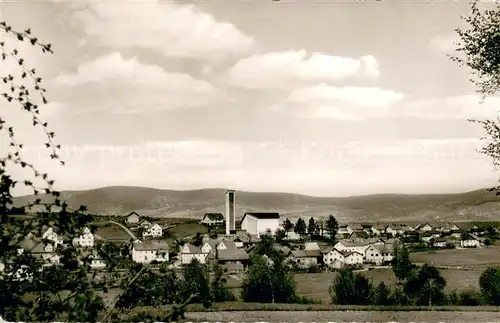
(114, 83)
(359, 96)
(310, 167)
(282, 70)
(445, 43)
(364, 103)
(178, 30)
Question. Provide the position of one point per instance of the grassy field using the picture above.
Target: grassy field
(473, 257)
(316, 286)
(187, 229)
(113, 232)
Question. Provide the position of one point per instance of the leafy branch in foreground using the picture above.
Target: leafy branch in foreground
(479, 50)
(44, 277)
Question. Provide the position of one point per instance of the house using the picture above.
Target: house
(352, 245)
(356, 227)
(239, 242)
(284, 250)
(378, 229)
(188, 252)
(42, 250)
(311, 246)
(153, 231)
(144, 223)
(470, 241)
(424, 227)
(260, 223)
(373, 255)
(292, 236)
(211, 219)
(133, 218)
(85, 240)
(231, 257)
(51, 235)
(439, 243)
(345, 230)
(333, 258)
(305, 258)
(353, 258)
(149, 251)
(386, 251)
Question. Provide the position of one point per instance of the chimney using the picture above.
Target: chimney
(230, 212)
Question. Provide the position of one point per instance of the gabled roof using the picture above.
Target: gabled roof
(263, 215)
(191, 248)
(133, 213)
(306, 253)
(151, 245)
(232, 254)
(214, 216)
(349, 253)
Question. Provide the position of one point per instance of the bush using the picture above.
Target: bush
(487, 242)
(470, 298)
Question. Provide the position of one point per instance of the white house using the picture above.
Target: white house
(260, 223)
(145, 224)
(51, 235)
(133, 218)
(152, 231)
(353, 258)
(425, 227)
(86, 239)
(345, 230)
(212, 219)
(470, 242)
(392, 230)
(333, 258)
(188, 252)
(349, 245)
(373, 255)
(146, 252)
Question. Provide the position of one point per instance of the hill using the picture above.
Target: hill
(479, 205)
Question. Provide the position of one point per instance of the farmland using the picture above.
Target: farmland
(187, 229)
(316, 286)
(474, 257)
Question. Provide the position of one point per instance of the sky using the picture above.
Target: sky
(323, 98)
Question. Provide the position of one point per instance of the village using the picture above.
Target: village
(230, 243)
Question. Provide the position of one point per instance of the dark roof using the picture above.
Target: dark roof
(264, 215)
(133, 213)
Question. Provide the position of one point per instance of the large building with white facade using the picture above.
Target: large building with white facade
(260, 223)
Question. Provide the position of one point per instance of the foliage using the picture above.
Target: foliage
(198, 239)
(351, 289)
(426, 286)
(489, 282)
(300, 227)
(195, 282)
(332, 226)
(312, 228)
(219, 292)
(401, 264)
(268, 281)
(288, 225)
(382, 295)
(280, 235)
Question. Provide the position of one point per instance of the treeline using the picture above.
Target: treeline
(422, 286)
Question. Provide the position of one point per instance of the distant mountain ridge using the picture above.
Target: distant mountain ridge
(479, 205)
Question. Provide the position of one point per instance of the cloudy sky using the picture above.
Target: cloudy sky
(322, 98)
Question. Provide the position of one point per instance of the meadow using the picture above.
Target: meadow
(472, 257)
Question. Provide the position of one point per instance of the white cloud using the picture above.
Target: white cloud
(179, 30)
(114, 83)
(352, 95)
(282, 70)
(363, 103)
(445, 43)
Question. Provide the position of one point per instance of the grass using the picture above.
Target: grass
(316, 286)
(187, 229)
(113, 232)
(473, 257)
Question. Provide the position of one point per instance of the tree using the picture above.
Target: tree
(401, 264)
(280, 235)
(195, 282)
(478, 49)
(426, 286)
(219, 292)
(198, 239)
(489, 282)
(351, 289)
(312, 228)
(332, 227)
(382, 295)
(268, 281)
(287, 225)
(300, 227)
(30, 290)
(24, 277)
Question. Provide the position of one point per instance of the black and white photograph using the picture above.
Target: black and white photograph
(249, 161)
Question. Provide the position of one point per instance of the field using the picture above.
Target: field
(473, 257)
(342, 316)
(316, 286)
(113, 232)
(187, 229)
